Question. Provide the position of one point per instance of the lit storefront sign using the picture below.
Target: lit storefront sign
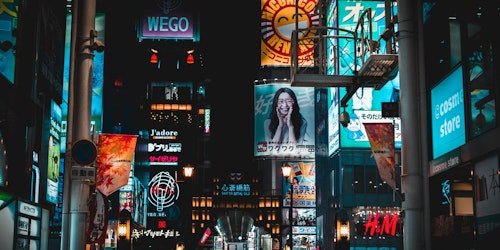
(158, 147)
(236, 186)
(235, 189)
(163, 193)
(149, 233)
(164, 160)
(377, 221)
(162, 134)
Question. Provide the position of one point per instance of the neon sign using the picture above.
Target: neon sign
(386, 226)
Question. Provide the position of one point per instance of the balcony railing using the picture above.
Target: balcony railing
(368, 67)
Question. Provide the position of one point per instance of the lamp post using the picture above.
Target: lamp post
(287, 173)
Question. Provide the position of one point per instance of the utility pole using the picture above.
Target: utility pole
(76, 192)
(414, 180)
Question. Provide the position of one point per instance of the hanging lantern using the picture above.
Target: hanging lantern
(154, 58)
(190, 59)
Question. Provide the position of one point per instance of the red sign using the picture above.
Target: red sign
(386, 226)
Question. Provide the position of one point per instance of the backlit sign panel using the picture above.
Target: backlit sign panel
(365, 106)
(277, 23)
(448, 114)
(271, 104)
(333, 121)
(169, 20)
(377, 222)
(54, 153)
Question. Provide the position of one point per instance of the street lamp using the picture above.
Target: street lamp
(287, 173)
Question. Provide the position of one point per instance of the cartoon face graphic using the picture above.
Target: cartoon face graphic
(278, 20)
(285, 21)
(354, 131)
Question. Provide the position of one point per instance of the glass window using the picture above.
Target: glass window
(481, 83)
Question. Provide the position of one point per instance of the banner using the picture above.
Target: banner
(381, 137)
(115, 153)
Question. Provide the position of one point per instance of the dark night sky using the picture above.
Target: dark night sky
(230, 36)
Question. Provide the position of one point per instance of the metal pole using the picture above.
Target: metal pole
(297, 15)
(65, 228)
(290, 215)
(413, 116)
(76, 192)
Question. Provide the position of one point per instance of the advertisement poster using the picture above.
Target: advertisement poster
(365, 106)
(277, 23)
(114, 161)
(303, 178)
(54, 153)
(284, 121)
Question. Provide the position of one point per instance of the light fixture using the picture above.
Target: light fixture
(154, 56)
(96, 44)
(188, 170)
(190, 57)
(286, 170)
(344, 118)
(122, 230)
(381, 65)
(342, 231)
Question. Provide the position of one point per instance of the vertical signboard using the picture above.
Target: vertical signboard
(448, 114)
(486, 181)
(284, 121)
(278, 20)
(54, 153)
(333, 121)
(300, 195)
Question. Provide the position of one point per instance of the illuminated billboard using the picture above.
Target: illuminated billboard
(304, 184)
(365, 106)
(448, 114)
(277, 23)
(350, 13)
(284, 121)
(8, 23)
(54, 153)
(333, 121)
(169, 20)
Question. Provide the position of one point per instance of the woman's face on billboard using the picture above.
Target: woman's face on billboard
(285, 103)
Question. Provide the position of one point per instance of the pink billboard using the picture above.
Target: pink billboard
(169, 21)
